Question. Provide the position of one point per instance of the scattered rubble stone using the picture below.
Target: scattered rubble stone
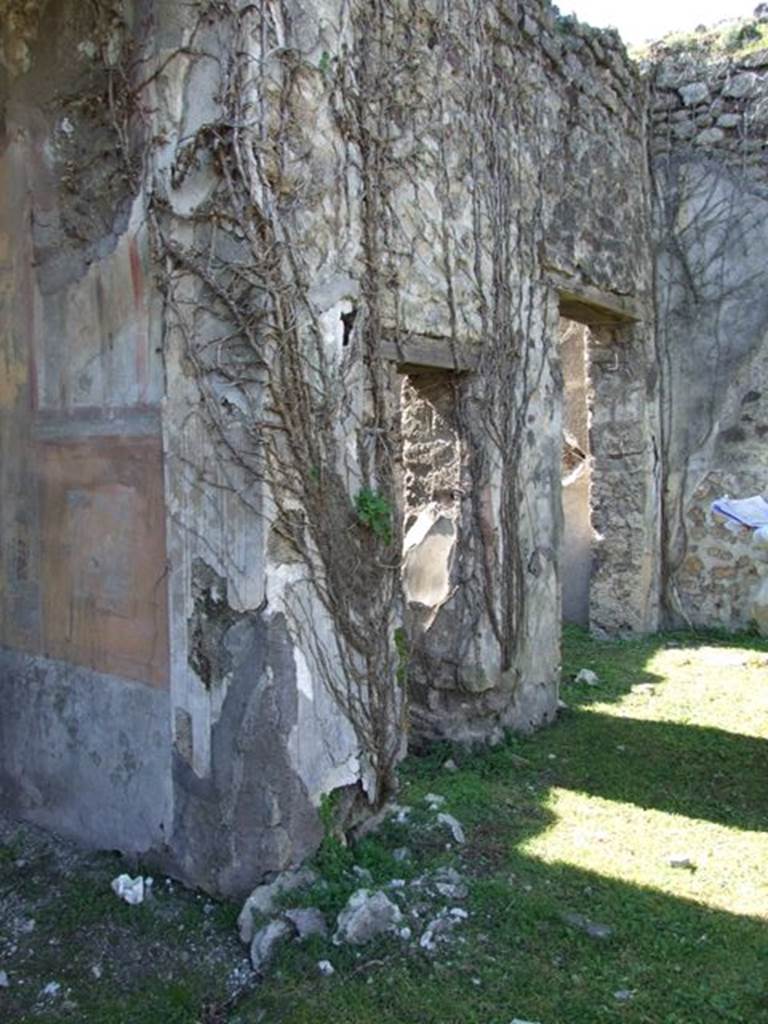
(450, 765)
(586, 675)
(307, 921)
(263, 899)
(4, 983)
(450, 884)
(266, 940)
(366, 916)
(456, 830)
(434, 800)
(326, 968)
(584, 924)
(680, 860)
(401, 854)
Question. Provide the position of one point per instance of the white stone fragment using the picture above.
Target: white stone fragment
(456, 830)
(624, 995)
(326, 968)
(131, 890)
(681, 860)
(4, 983)
(366, 916)
(263, 899)
(51, 989)
(266, 941)
(586, 675)
(434, 800)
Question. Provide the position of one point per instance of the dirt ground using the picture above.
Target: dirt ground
(70, 949)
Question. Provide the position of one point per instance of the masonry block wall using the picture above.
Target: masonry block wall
(710, 167)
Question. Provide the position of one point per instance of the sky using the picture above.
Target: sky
(640, 20)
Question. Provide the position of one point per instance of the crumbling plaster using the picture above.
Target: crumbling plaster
(502, 206)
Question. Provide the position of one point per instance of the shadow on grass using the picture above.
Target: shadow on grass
(697, 771)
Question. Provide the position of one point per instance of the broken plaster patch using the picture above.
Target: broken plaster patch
(429, 546)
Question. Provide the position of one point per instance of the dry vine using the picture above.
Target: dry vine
(278, 400)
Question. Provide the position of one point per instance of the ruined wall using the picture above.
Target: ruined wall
(576, 219)
(711, 223)
(245, 220)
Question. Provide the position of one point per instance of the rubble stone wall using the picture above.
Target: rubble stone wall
(711, 222)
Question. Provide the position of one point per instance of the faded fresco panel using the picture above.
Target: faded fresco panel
(103, 556)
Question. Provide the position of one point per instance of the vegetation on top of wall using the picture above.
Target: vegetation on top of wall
(733, 38)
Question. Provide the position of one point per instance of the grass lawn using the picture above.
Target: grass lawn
(666, 758)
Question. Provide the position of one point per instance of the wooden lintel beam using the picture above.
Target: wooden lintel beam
(593, 306)
(419, 353)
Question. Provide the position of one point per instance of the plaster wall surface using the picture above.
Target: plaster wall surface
(85, 754)
(83, 611)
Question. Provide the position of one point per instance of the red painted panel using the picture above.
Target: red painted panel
(103, 556)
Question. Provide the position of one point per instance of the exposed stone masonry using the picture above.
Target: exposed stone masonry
(710, 164)
(719, 108)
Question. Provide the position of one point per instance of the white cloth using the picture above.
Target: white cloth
(750, 512)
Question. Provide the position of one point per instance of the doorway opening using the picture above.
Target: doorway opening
(576, 473)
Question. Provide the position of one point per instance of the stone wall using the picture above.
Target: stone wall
(711, 216)
(438, 189)
(577, 239)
